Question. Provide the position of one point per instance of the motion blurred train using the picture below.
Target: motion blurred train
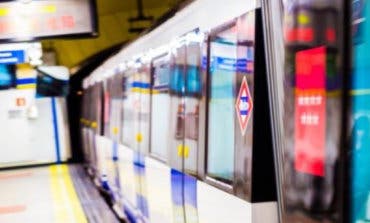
(234, 111)
(168, 123)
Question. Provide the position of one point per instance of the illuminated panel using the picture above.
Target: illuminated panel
(46, 18)
(310, 115)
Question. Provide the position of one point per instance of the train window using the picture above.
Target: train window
(129, 106)
(177, 107)
(193, 82)
(177, 78)
(160, 107)
(221, 114)
(193, 93)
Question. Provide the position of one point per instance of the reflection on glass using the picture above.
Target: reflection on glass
(193, 84)
(312, 110)
(177, 79)
(192, 92)
(221, 113)
(360, 186)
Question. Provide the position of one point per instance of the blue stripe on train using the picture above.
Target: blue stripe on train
(129, 214)
(139, 169)
(143, 205)
(190, 190)
(139, 159)
(140, 85)
(115, 151)
(182, 182)
(55, 128)
(177, 187)
(26, 81)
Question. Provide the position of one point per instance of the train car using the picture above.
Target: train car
(317, 111)
(176, 126)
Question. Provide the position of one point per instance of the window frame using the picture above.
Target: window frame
(229, 188)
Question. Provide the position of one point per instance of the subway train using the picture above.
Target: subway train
(159, 124)
(246, 111)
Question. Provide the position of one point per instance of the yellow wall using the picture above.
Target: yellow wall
(113, 29)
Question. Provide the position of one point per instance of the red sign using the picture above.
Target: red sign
(244, 105)
(310, 111)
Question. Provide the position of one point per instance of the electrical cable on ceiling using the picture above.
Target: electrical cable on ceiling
(140, 22)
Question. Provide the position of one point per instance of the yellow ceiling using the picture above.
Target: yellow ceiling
(113, 29)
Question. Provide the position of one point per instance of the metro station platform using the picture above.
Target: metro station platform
(56, 193)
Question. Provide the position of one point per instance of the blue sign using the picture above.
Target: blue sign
(12, 57)
(245, 65)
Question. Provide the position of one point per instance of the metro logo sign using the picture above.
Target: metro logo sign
(244, 106)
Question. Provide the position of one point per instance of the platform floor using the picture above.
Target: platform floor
(57, 193)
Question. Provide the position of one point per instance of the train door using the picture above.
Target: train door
(307, 109)
(93, 126)
(112, 115)
(103, 142)
(98, 129)
(115, 130)
(157, 163)
(135, 140)
(83, 123)
(130, 159)
(106, 141)
(176, 130)
(126, 149)
(191, 148)
(142, 136)
(90, 135)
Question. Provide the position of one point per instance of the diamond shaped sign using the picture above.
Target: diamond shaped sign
(244, 105)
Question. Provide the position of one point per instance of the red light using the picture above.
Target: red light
(305, 34)
(53, 23)
(330, 35)
(290, 35)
